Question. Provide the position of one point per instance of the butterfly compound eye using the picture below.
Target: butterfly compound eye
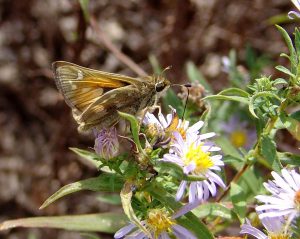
(160, 86)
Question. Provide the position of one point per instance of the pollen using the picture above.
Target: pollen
(238, 138)
(159, 221)
(297, 199)
(278, 236)
(201, 159)
(182, 132)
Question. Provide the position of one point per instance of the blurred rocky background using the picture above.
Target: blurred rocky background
(36, 126)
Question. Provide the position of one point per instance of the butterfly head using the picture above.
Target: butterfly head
(161, 84)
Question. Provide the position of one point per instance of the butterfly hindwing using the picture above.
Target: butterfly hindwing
(95, 95)
(81, 86)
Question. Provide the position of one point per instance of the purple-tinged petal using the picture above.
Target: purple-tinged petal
(164, 235)
(248, 229)
(186, 208)
(182, 233)
(192, 192)
(181, 190)
(124, 231)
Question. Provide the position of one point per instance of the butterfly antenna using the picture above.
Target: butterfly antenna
(166, 69)
(187, 98)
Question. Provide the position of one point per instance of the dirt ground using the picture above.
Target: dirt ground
(36, 126)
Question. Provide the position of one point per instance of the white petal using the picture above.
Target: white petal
(288, 178)
(280, 182)
(207, 135)
(162, 120)
(196, 127)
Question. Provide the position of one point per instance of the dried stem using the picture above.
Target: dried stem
(117, 53)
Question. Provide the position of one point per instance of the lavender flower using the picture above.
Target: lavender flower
(295, 14)
(159, 224)
(274, 229)
(285, 198)
(238, 133)
(107, 143)
(194, 156)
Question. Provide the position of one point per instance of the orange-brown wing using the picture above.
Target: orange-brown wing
(81, 87)
(103, 112)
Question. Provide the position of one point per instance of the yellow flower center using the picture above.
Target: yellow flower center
(159, 221)
(297, 199)
(200, 158)
(238, 138)
(278, 236)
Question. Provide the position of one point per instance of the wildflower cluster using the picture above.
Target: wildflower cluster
(190, 153)
(169, 172)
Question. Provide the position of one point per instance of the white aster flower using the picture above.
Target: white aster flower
(285, 198)
(159, 224)
(295, 14)
(275, 229)
(164, 127)
(194, 156)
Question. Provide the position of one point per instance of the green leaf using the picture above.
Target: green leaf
(104, 182)
(268, 151)
(90, 235)
(251, 107)
(296, 115)
(113, 199)
(213, 209)
(295, 228)
(291, 48)
(292, 125)
(195, 76)
(189, 220)
(102, 222)
(258, 95)
(234, 92)
(285, 70)
(289, 158)
(225, 97)
(280, 81)
(171, 169)
(228, 148)
(84, 6)
(297, 41)
(285, 55)
(92, 158)
(251, 182)
(279, 19)
(126, 196)
(134, 128)
(229, 159)
(238, 199)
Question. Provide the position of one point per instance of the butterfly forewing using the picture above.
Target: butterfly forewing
(96, 96)
(82, 86)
